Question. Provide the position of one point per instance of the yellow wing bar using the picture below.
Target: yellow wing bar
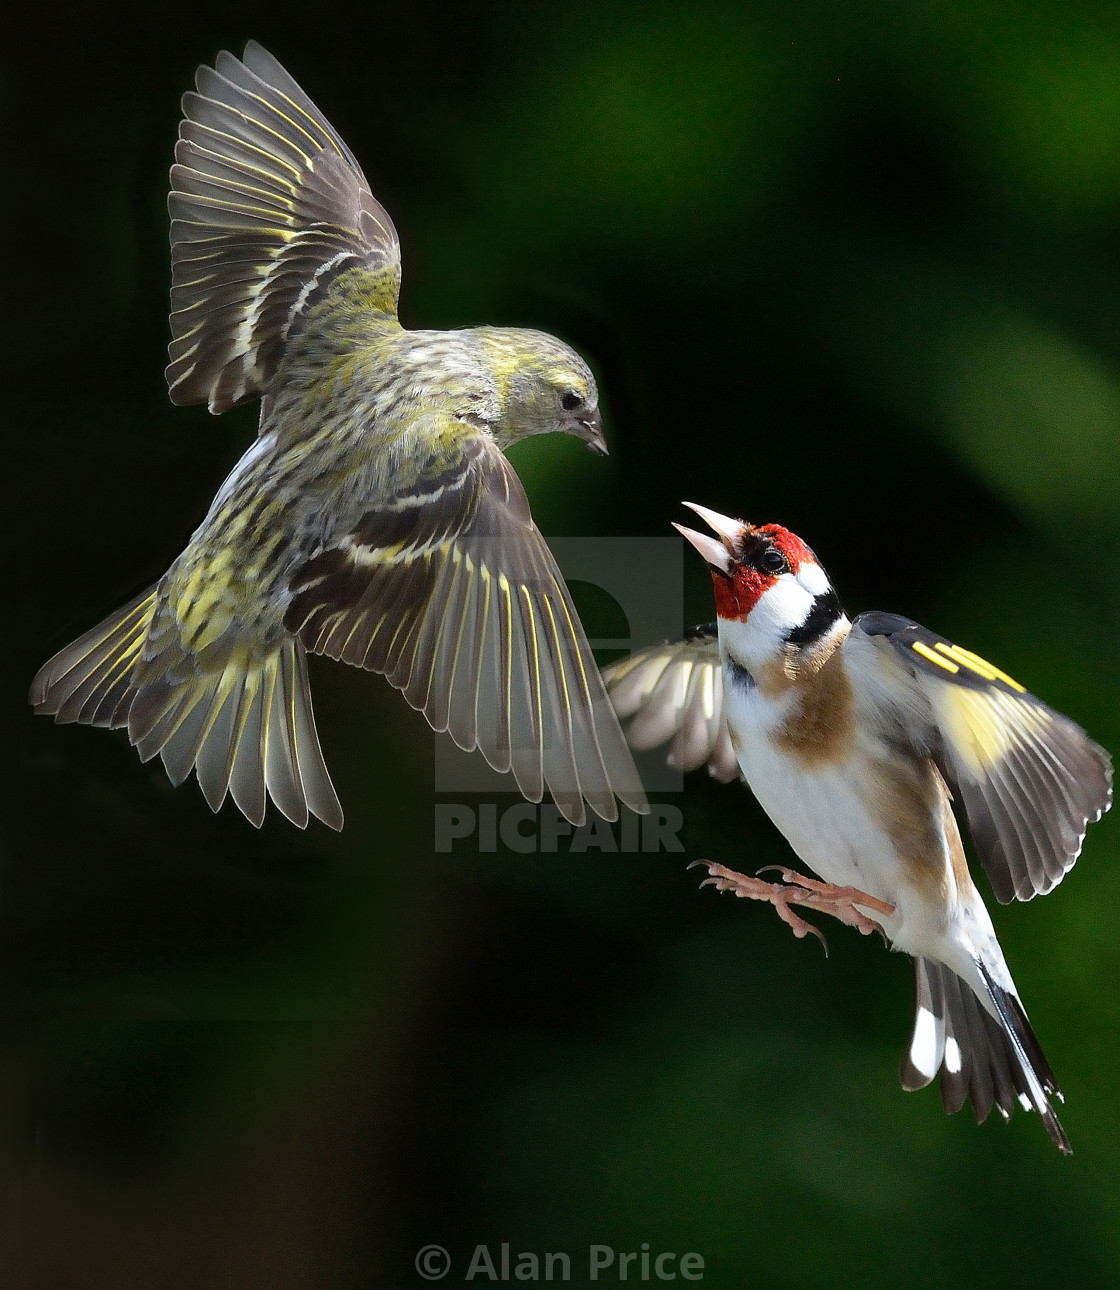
(966, 658)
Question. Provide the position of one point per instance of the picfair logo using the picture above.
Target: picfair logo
(531, 830)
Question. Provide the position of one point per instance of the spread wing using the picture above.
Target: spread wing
(674, 695)
(268, 207)
(448, 588)
(1031, 780)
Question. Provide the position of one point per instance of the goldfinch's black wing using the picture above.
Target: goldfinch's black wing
(448, 588)
(268, 208)
(673, 694)
(1030, 779)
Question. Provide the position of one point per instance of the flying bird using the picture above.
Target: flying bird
(375, 519)
(856, 737)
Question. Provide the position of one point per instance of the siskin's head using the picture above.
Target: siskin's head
(544, 388)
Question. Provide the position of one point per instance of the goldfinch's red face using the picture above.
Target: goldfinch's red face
(760, 559)
(770, 592)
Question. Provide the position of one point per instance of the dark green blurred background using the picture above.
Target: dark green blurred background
(851, 268)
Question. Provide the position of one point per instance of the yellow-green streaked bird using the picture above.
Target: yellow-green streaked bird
(375, 519)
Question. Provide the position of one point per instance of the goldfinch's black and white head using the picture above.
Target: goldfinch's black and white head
(773, 599)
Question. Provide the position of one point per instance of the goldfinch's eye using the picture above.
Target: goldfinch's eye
(772, 561)
(570, 401)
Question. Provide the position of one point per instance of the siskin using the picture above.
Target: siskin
(375, 519)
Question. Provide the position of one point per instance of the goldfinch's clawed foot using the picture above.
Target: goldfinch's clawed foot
(840, 902)
(794, 889)
(774, 893)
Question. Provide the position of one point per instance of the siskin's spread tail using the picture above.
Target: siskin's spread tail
(245, 728)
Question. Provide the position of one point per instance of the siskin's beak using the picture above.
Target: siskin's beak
(591, 432)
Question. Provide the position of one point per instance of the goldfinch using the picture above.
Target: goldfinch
(375, 519)
(856, 737)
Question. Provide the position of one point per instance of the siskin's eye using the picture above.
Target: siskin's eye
(772, 561)
(571, 401)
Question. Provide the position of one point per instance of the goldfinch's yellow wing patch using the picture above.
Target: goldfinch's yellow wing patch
(673, 694)
(1030, 779)
(448, 588)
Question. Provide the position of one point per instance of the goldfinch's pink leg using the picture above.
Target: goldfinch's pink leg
(772, 892)
(839, 902)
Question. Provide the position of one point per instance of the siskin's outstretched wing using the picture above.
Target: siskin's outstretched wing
(1031, 780)
(673, 694)
(447, 587)
(268, 208)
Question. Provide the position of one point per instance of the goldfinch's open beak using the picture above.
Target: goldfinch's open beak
(714, 552)
(730, 530)
(718, 555)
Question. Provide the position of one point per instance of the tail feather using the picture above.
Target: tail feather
(246, 777)
(281, 765)
(87, 671)
(987, 1055)
(213, 766)
(977, 1052)
(179, 734)
(1041, 1084)
(247, 730)
(154, 706)
(317, 785)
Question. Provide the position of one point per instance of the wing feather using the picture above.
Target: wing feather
(529, 647)
(1031, 780)
(448, 645)
(673, 694)
(268, 207)
(448, 589)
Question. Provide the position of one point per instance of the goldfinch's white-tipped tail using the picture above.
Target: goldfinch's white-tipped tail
(990, 1060)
